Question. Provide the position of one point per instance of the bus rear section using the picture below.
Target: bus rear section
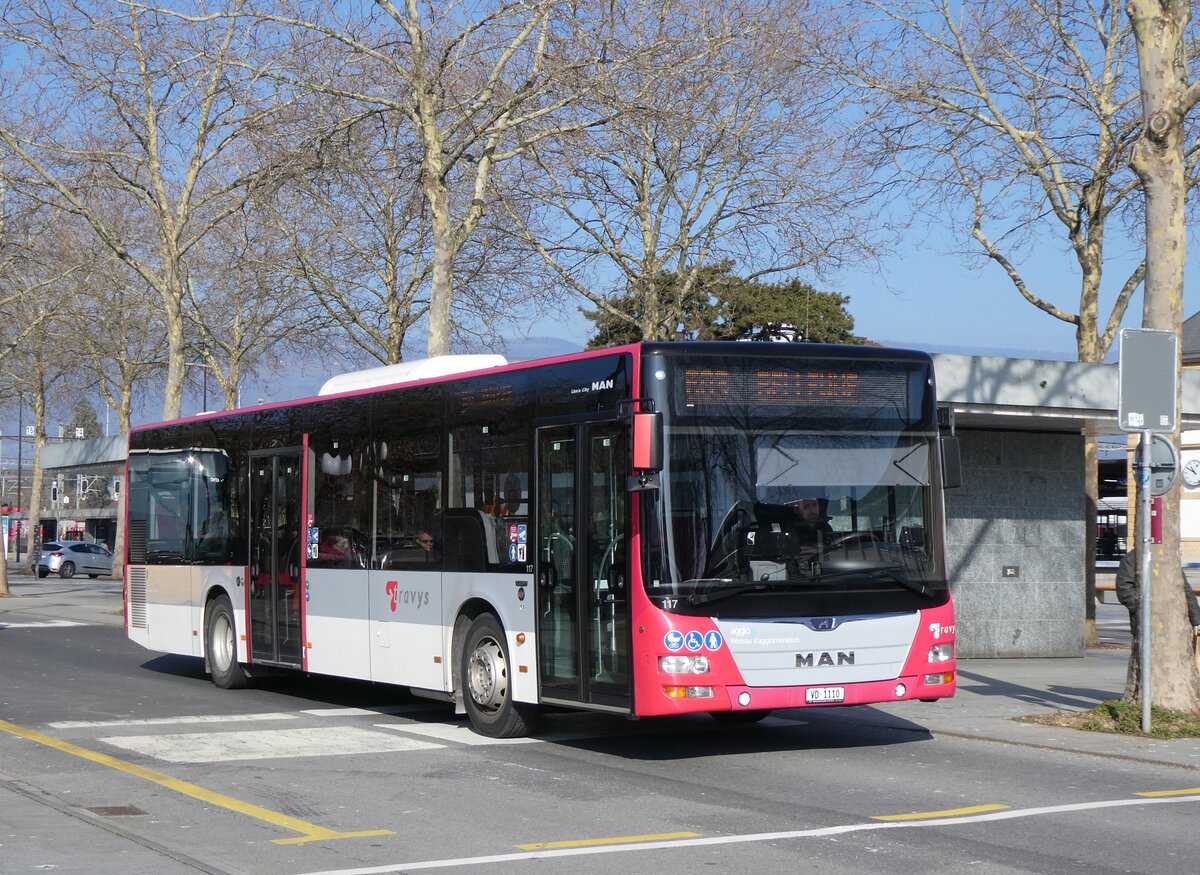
(793, 548)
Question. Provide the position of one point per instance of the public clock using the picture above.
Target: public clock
(1191, 473)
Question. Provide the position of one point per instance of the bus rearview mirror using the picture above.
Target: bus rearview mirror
(647, 442)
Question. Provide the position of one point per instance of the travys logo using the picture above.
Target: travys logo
(939, 630)
(415, 597)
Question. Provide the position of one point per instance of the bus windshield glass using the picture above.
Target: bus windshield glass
(777, 501)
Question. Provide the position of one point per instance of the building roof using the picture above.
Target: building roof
(1190, 340)
(78, 454)
(996, 392)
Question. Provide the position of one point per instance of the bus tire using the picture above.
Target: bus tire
(220, 646)
(486, 683)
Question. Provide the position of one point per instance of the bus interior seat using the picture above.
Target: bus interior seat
(470, 542)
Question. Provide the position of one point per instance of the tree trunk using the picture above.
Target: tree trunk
(35, 490)
(176, 351)
(443, 267)
(1157, 158)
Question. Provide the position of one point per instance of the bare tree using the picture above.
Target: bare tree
(124, 106)
(477, 84)
(244, 308)
(718, 145)
(360, 239)
(32, 267)
(120, 333)
(1163, 158)
(1014, 120)
(39, 367)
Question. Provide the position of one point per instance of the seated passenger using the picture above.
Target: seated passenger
(428, 551)
(335, 549)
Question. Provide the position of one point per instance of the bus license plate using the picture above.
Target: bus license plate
(819, 695)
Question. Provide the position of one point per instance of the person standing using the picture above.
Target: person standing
(1129, 594)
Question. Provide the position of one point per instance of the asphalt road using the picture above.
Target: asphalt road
(116, 759)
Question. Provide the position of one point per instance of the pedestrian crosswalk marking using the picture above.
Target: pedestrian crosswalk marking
(44, 624)
(215, 747)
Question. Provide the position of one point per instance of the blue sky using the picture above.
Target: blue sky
(931, 299)
(925, 297)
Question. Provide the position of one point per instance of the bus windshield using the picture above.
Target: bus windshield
(762, 514)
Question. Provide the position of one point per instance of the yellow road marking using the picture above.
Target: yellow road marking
(615, 840)
(309, 832)
(1154, 793)
(950, 812)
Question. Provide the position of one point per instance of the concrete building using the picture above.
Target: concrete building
(1016, 530)
(81, 488)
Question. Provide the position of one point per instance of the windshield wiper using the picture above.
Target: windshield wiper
(704, 598)
(917, 586)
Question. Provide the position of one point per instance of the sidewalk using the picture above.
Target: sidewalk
(990, 691)
(78, 600)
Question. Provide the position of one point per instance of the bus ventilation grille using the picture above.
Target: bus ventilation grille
(137, 542)
(137, 598)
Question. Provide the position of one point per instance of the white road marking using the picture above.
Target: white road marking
(459, 733)
(374, 712)
(45, 624)
(822, 832)
(217, 747)
(168, 721)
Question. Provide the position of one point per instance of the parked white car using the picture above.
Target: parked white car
(68, 558)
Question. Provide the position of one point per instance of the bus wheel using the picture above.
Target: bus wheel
(485, 679)
(220, 647)
(739, 717)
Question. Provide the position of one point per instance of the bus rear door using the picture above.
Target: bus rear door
(275, 558)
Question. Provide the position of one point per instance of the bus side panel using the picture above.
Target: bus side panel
(335, 623)
(230, 580)
(166, 619)
(514, 607)
(407, 635)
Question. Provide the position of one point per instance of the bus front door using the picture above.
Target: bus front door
(275, 633)
(583, 610)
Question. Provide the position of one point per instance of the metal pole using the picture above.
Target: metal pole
(20, 472)
(1144, 577)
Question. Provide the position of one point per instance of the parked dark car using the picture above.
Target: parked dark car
(68, 558)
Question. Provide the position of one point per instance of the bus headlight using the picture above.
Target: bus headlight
(683, 664)
(941, 653)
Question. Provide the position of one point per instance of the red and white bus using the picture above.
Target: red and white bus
(652, 529)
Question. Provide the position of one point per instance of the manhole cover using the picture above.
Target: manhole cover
(115, 810)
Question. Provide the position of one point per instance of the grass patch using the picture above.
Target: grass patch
(1123, 718)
